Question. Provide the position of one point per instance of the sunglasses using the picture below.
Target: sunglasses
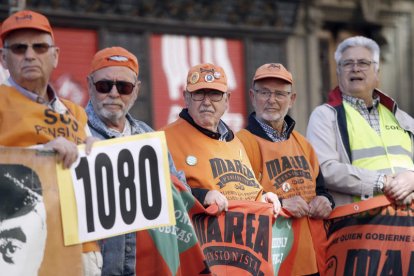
(123, 87)
(21, 48)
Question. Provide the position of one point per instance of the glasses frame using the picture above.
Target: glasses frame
(266, 94)
(112, 83)
(206, 92)
(21, 48)
(362, 64)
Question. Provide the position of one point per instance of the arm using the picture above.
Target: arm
(340, 176)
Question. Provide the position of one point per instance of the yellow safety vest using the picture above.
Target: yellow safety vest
(390, 152)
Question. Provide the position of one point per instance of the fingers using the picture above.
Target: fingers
(67, 151)
(320, 207)
(297, 206)
(89, 143)
(272, 198)
(215, 197)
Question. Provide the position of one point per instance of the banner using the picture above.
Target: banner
(173, 250)
(371, 237)
(122, 186)
(31, 234)
(237, 242)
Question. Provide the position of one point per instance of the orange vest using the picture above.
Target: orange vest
(212, 164)
(286, 168)
(24, 122)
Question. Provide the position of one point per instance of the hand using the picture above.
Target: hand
(67, 151)
(320, 207)
(297, 206)
(89, 143)
(272, 198)
(407, 200)
(215, 197)
(399, 186)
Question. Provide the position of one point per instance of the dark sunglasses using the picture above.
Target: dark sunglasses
(123, 87)
(21, 48)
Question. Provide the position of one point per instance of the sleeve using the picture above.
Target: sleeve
(339, 175)
(199, 194)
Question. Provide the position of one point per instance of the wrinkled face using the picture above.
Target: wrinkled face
(271, 99)
(32, 65)
(112, 107)
(22, 242)
(207, 112)
(357, 80)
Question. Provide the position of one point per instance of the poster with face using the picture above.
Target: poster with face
(31, 236)
(22, 220)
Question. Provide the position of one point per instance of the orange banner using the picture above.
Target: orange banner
(372, 237)
(237, 242)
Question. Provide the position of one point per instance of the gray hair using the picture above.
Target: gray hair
(355, 41)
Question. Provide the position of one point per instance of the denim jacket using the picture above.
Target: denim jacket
(119, 252)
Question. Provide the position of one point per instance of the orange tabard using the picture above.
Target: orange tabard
(212, 164)
(24, 122)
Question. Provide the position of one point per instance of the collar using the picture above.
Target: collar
(33, 96)
(99, 127)
(360, 103)
(225, 133)
(335, 98)
(254, 127)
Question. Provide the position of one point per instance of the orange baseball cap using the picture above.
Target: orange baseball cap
(273, 70)
(25, 20)
(114, 56)
(206, 76)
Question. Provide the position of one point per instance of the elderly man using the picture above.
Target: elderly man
(282, 159)
(204, 147)
(113, 89)
(362, 139)
(30, 111)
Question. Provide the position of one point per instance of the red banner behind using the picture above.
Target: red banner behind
(171, 58)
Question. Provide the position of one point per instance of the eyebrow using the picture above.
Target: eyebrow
(13, 233)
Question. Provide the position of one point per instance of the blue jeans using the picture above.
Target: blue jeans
(118, 255)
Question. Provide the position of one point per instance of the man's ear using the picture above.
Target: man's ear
(187, 98)
(3, 59)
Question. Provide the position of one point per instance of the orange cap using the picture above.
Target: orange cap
(114, 56)
(206, 76)
(273, 70)
(25, 20)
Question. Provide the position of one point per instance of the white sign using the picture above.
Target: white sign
(122, 186)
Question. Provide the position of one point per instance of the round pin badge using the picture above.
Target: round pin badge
(195, 76)
(217, 75)
(191, 160)
(209, 78)
(286, 187)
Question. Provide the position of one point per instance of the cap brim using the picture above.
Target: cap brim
(207, 85)
(265, 76)
(22, 27)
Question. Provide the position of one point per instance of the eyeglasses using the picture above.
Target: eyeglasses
(362, 64)
(123, 87)
(213, 95)
(21, 48)
(266, 94)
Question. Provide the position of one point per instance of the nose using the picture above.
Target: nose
(30, 53)
(206, 100)
(114, 91)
